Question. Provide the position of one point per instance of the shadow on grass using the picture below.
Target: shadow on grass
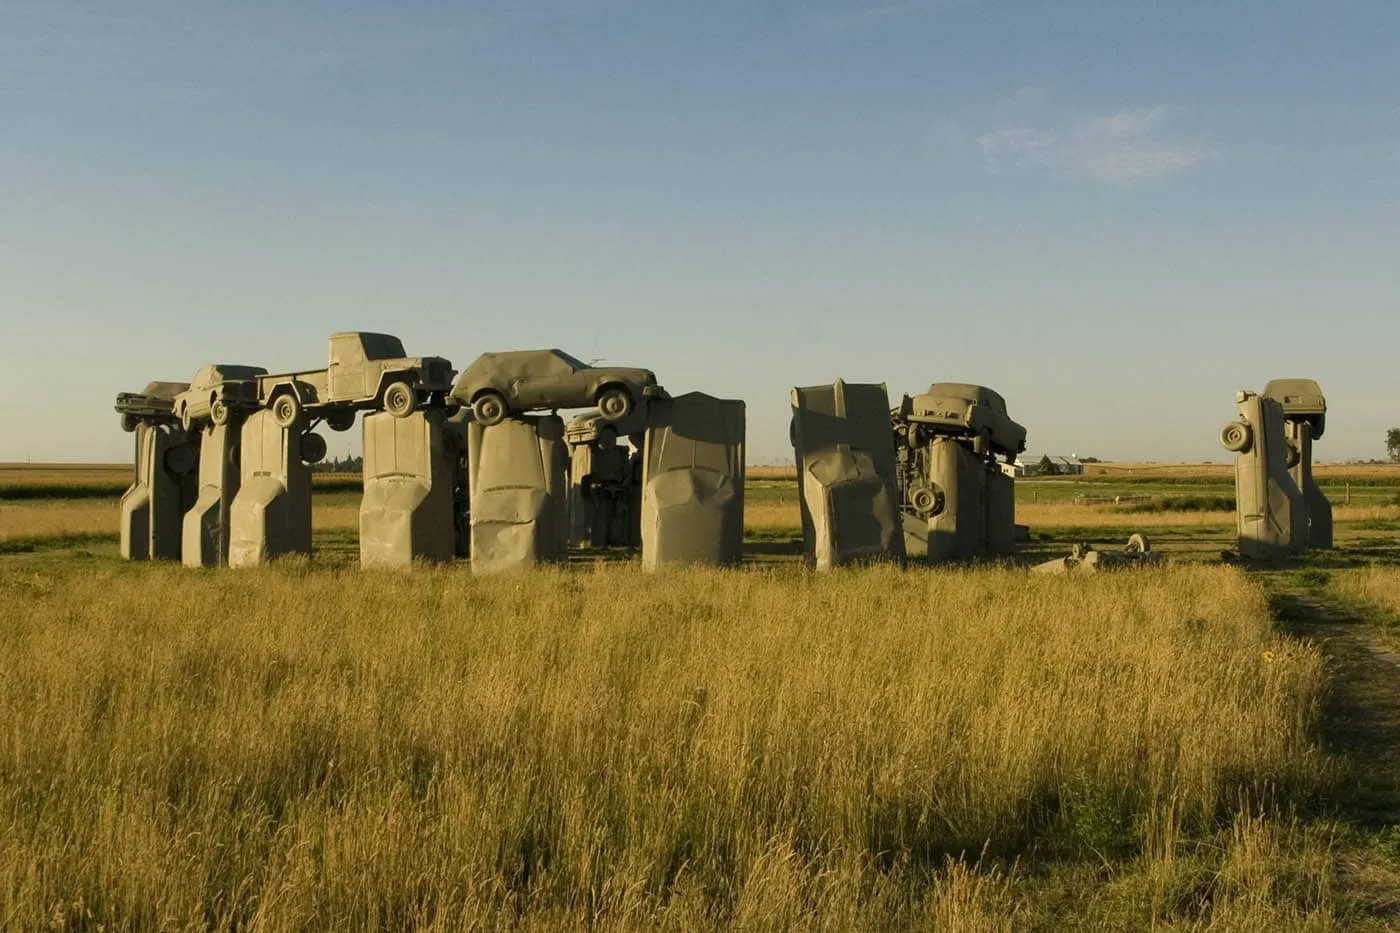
(1361, 713)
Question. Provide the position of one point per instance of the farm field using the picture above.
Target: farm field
(307, 745)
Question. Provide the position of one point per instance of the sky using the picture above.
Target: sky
(1116, 213)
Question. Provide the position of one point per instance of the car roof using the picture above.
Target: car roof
(220, 372)
(511, 359)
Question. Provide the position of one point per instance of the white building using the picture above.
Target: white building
(1027, 464)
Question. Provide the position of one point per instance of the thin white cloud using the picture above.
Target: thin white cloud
(1123, 148)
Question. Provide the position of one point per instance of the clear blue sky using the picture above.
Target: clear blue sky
(1114, 212)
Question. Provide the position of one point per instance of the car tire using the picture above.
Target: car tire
(922, 500)
(128, 422)
(286, 410)
(313, 448)
(218, 411)
(186, 421)
(1236, 437)
(399, 399)
(489, 408)
(1291, 455)
(614, 403)
(340, 420)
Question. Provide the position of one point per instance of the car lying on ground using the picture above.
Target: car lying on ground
(155, 403)
(217, 392)
(366, 371)
(499, 384)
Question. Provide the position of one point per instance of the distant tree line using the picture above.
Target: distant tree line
(339, 465)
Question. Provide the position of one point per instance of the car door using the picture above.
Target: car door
(346, 372)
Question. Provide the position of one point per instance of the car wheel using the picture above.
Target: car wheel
(1236, 437)
(400, 399)
(128, 422)
(286, 410)
(183, 415)
(1291, 455)
(489, 408)
(313, 448)
(923, 500)
(218, 411)
(340, 420)
(614, 403)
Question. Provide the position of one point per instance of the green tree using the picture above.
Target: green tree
(1392, 444)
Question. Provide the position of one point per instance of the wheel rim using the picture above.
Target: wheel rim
(490, 409)
(398, 400)
(218, 412)
(613, 404)
(1234, 437)
(285, 410)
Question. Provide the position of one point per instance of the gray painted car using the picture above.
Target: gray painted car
(499, 384)
(216, 392)
(153, 404)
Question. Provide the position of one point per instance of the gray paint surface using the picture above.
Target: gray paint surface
(1304, 420)
(947, 442)
(693, 482)
(602, 509)
(959, 530)
(271, 514)
(205, 531)
(519, 493)
(844, 446)
(406, 510)
(1269, 507)
(162, 488)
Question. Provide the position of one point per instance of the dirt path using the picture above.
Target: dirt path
(1361, 717)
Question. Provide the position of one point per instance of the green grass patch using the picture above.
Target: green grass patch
(1179, 504)
(32, 543)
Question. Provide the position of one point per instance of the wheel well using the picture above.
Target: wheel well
(281, 389)
(603, 388)
(388, 379)
(486, 390)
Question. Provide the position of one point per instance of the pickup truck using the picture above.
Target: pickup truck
(366, 371)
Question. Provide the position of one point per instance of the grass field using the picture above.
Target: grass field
(309, 746)
(772, 749)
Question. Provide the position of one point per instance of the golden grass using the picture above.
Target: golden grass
(51, 518)
(55, 474)
(56, 518)
(1379, 586)
(289, 748)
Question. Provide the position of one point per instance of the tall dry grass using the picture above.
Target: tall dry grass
(291, 748)
(1379, 586)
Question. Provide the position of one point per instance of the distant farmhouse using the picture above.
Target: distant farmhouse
(1044, 465)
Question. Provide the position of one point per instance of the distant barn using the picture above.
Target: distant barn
(1036, 465)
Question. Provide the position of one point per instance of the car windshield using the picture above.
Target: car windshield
(571, 362)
